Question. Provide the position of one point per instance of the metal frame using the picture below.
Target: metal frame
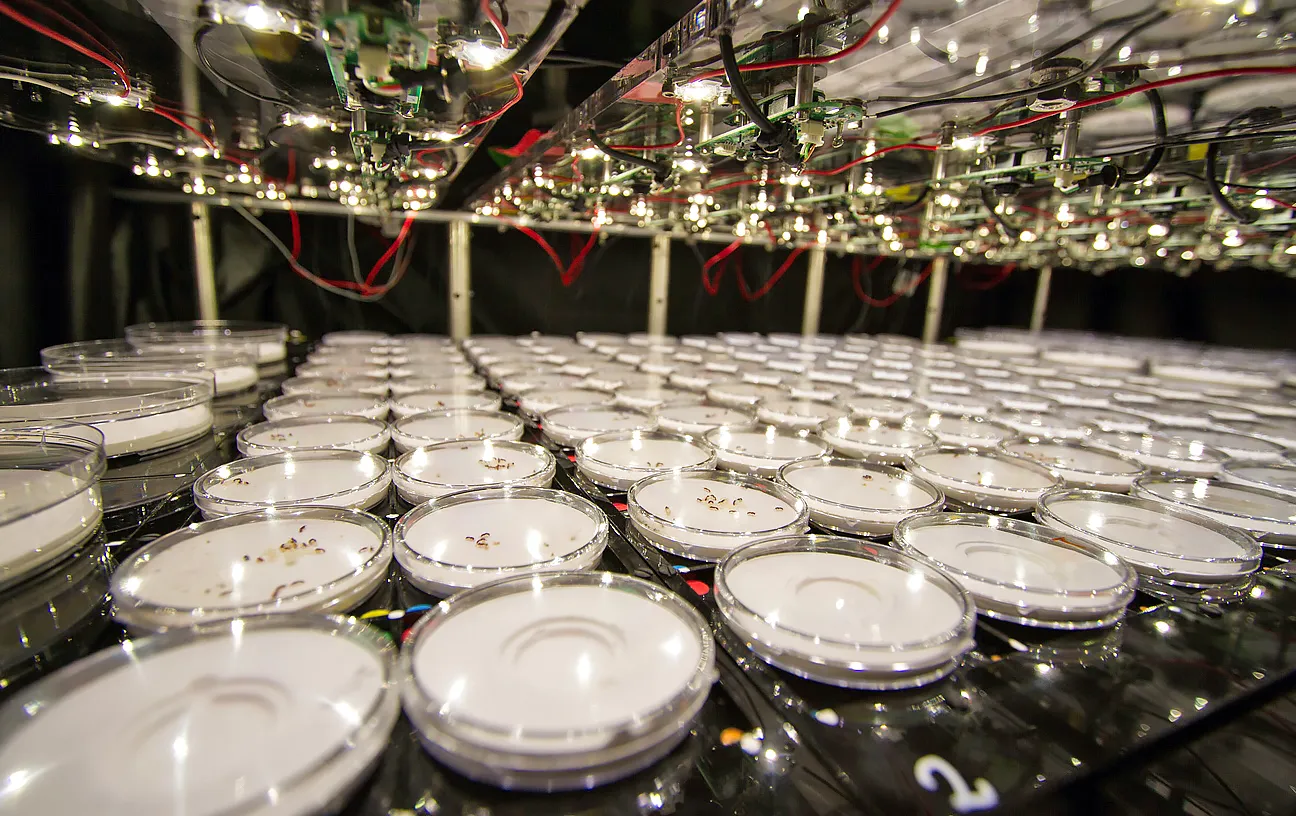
(659, 284)
(1040, 306)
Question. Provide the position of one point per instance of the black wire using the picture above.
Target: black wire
(522, 59)
(991, 200)
(199, 36)
(1159, 127)
(1211, 171)
(739, 88)
(1070, 79)
(1202, 179)
(659, 169)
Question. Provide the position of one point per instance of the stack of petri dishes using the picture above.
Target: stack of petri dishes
(268, 340)
(233, 368)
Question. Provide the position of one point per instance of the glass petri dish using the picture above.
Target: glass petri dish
(1047, 424)
(1178, 412)
(572, 424)
(649, 397)
(331, 478)
(875, 441)
(355, 337)
(1078, 464)
(1279, 477)
(269, 339)
(233, 368)
(400, 386)
(857, 497)
(447, 467)
(312, 405)
(1107, 419)
(49, 494)
(308, 559)
(795, 414)
(514, 385)
(534, 404)
(704, 514)
(473, 537)
(618, 459)
(1162, 542)
(952, 429)
(1281, 430)
(840, 612)
(760, 450)
(136, 414)
(440, 368)
(421, 430)
(339, 431)
(334, 369)
(985, 479)
(1023, 572)
(864, 407)
(1159, 452)
(421, 402)
(1025, 401)
(288, 714)
(1239, 447)
(555, 682)
(739, 394)
(691, 418)
(325, 386)
(1268, 515)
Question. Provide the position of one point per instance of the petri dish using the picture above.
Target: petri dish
(269, 339)
(985, 479)
(760, 450)
(529, 379)
(618, 459)
(1025, 401)
(556, 681)
(1279, 477)
(875, 441)
(837, 611)
(1239, 447)
(342, 370)
(533, 404)
(312, 405)
(1164, 543)
(1268, 515)
(864, 407)
(1281, 430)
(857, 497)
(324, 386)
(447, 467)
(331, 478)
(572, 424)
(1107, 419)
(136, 414)
(49, 495)
(794, 414)
(953, 429)
(473, 537)
(1043, 424)
(421, 430)
(400, 386)
(282, 714)
(1078, 464)
(339, 431)
(739, 394)
(1183, 413)
(611, 378)
(649, 397)
(691, 418)
(233, 368)
(1023, 572)
(703, 515)
(421, 402)
(308, 559)
(1160, 452)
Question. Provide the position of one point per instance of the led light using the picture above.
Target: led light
(958, 252)
(982, 63)
(1232, 239)
(1188, 255)
(1027, 236)
(1158, 231)
(915, 36)
(803, 12)
(968, 143)
(884, 34)
(896, 246)
(687, 165)
(255, 16)
(703, 90)
(480, 54)
(590, 153)
(1174, 70)
(1125, 53)
(75, 141)
(1260, 203)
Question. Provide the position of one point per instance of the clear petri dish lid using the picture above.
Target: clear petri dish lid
(555, 681)
(314, 405)
(309, 559)
(49, 496)
(1279, 477)
(332, 478)
(762, 449)
(692, 418)
(1107, 419)
(843, 612)
(873, 439)
(991, 479)
(447, 467)
(513, 385)
(232, 368)
(953, 429)
(262, 733)
(737, 393)
(649, 397)
(1044, 424)
(533, 404)
(1160, 452)
(342, 370)
(1281, 430)
(1022, 572)
(1233, 444)
(1078, 464)
(1156, 539)
(472, 537)
(865, 407)
(619, 459)
(338, 431)
(323, 386)
(1179, 412)
(796, 414)
(421, 402)
(355, 337)
(270, 339)
(1212, 375)
(1272, 404)
(421, 430)
(858, 497)
(572, 424)
(1268, 514)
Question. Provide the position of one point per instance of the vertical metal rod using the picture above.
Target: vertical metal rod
(1041, 299)
(805, 75)
(658, 284)
(460, 280)
(935, 299)
(814, 292)
(200, 213)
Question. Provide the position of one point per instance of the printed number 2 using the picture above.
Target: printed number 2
(928, 770)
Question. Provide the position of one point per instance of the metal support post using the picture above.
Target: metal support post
(200, 214)
(1041, 299)
(658, 283)
(935, 299)
(460, 280)
(814, 292)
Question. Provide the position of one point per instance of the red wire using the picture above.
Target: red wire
(491, 117)
(292, 213)
(539, 239)
(185, 126)
(568, 275)
(712, 284)
(870, 157)
(679, 128)
(890, 299)
(112, 53)
(495, 22)
(1280, 201)
(999, 277)
(1271, 165)
(9, 11)
(769, 284)
(391, 250)
(827, 58)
